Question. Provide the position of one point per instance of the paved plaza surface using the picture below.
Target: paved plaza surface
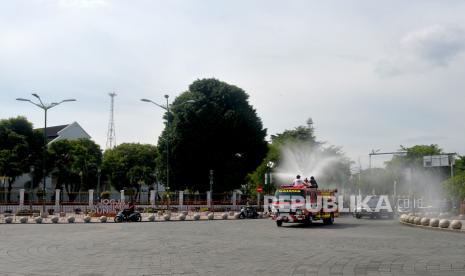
(234, 247)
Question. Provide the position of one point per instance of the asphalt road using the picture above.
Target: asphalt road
(234, 247)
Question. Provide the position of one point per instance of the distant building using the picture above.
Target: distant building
(73, 131)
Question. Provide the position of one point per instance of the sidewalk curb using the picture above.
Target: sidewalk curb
(433, 228)
(110, 221)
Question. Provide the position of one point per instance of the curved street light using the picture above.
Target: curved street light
(167, 108)
(45, 107)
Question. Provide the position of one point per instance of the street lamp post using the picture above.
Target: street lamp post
(99, 173)
(31, 186)
(45, 107)
(81, 175)
(167, 108)
(268, 179)
(155, 190)
(211, 190)
(167, 145)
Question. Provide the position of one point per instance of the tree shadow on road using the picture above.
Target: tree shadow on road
(320, 225)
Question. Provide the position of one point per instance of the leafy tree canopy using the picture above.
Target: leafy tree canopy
(130, 165)
(455, 187)
(75, 164)
(414, 156)
(212, 127)
(18, 149)
(307, 154)
(460, 165)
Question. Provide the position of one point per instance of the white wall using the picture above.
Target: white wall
(72, 132)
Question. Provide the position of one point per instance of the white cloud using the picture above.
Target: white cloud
(295, 60)
(423, 50)
(83, 3)
(438, 45)
(386, 68)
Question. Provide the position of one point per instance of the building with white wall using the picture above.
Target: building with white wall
(72, 131)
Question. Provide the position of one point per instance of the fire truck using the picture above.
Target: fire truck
(303, 204)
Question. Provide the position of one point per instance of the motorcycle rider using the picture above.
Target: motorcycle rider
(131, 208)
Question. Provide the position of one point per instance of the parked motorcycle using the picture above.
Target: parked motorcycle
(126, 215)
(248, 212)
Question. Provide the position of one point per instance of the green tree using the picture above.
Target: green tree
(128, 166)
(211, 126)
(301, 134)
(303, 140)
(460, 164)
(16, 145)
(75, 164)
(414, 156)
(455, 187)
(376, 180)
(409, 172)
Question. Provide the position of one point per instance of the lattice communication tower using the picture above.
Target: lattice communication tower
(111, 136)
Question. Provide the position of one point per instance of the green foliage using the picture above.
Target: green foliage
(212, 127)
(15, 138)
(27, 212)
(460, 165)
(105, 195)
(374, 181)
(414, 156)
(40, 193)
(455, 187)
(408, 170)
(257, 177)
(301, 134)
(304, 139)
(130, 165)
(76, 163)
(18, 149)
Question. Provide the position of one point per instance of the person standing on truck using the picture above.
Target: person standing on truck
(307, 183)
(297, 181)
(313, 183)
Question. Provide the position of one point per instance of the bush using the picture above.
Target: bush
(40, 193)
(150, 210)
(27, 212)
(105, 195)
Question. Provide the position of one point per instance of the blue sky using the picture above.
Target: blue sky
(371, 74)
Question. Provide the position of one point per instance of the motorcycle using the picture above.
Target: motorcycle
(126, 215)
(248, 212)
